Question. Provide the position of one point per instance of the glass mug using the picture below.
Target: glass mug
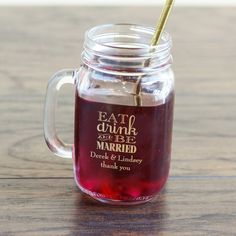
(124, 99)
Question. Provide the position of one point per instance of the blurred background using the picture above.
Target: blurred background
(36, 193)
(120, 2)
(35, 42)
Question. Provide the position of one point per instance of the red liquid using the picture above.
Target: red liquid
(131, 167)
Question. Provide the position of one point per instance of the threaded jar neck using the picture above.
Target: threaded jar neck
(125, 48)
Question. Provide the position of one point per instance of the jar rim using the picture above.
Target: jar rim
(94, 35)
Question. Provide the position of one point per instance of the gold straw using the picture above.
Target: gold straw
(155, 40)
(162, 22)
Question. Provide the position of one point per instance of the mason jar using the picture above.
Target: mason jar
(124, 100)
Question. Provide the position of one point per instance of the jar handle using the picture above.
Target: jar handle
(55, 144)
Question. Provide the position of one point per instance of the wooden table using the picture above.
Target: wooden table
(37, 193)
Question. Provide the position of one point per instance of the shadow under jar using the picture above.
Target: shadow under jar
(123, 115)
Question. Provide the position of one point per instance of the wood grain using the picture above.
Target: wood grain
(36, 42)
(38, 195)
(203, 206)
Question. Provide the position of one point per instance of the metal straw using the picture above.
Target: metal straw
(155, 40)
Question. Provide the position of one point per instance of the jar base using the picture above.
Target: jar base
(109, 201)
(121, 202)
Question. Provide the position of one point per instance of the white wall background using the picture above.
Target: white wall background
(120, 2)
